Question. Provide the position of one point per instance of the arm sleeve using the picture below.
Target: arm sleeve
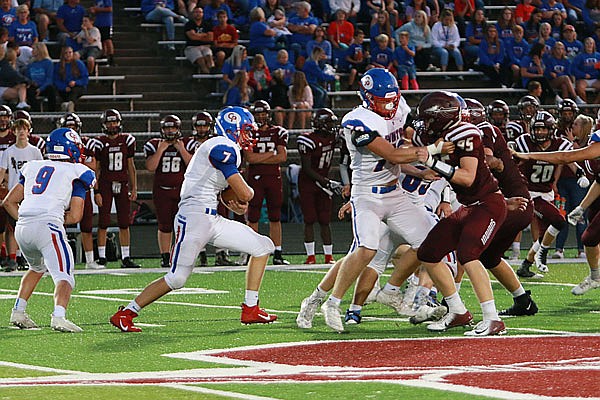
(224, 159)
(79, 189)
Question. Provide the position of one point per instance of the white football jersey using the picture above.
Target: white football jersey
(369, 169)
(203, 180)
(14, 158)
(48, 188)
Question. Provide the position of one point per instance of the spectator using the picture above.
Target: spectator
(381, 24)
(532, 69)
(558, 24)
(302, 27)
(420, 37)
(282, 62)
(212, 9)
(516, 49)
(8, 13)
(70, 78)
(225, 39)
(584, 69)
(446, 40)
(278, 96)
(269, 8)
(505, 24)
(262, 37)
(91, 42)
(161, 11)
(68, 20)
(463, 12)
(535, 89)
(259, 78)
(198, 41)
(573, 47)
(558, 73)
(385, 5)
(549, 7)
(320, 41)
(315, 74)
(357, 57)
(13, 85)
(41, 75)
(532, 27)
(103, 11)
(574, 10)
(475, 32)
(382, 55)
(404, 59)
(239, 93)
(491, 57)
(45, 14)
(238, 61)
(545, 37)
(591, 15)
(278, 22)
(413, 7)
(23, 32)
(301, 98)
(340, 32)
(350, 7)
(523, 11)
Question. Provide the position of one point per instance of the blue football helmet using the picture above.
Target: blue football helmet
(237, 123)
(379, 92)
(64, 144)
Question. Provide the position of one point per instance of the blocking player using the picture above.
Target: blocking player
(168, 158)
(117, 180)
(49, 195)
(214, 166)
(316, 189)
(264, 174)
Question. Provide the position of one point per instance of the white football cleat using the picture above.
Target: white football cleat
(428, 313)
(391, 299)
(308, 309)
(21, 320)
(540, 260)
(62, 324)
(333, 316)
(488, 328)
(587, 284)
(94, 265)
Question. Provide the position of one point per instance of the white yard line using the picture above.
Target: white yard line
(223, 393)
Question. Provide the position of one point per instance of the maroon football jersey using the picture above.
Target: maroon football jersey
(467, 139)
(7, 141)
(38, 142)
(268, 140)
(511, 181)
(514, 129)
(171, 168)
(320, 148)
(113, 153)
(539, 174)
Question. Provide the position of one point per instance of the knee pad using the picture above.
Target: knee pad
(176, 280)
(64, 277)
(263, 246)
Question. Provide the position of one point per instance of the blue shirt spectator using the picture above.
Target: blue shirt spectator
(283, 64)
(41, 73)
(260, 37)
(72, 14)
(381, 56)
(103, 19)
(23, 34)
(8, 17)
(303, 21)
(211, 10)
(516, 50)
(62, 83)
(584, 65)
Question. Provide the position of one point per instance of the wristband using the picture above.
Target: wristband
(445, 170)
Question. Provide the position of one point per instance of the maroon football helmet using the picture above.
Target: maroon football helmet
(22, 114)
(476, 111)
(109, 116)
(262, 112)
(202, 125)
(567, 111)
(543, 127)
(439, 112)
(498, 112)
(70, 120)
(325, 121)
(5, 117)
(528, 106)
(166, 127)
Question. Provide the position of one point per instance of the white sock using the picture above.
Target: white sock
(89, 256)
(516, 246)
(59, 311)
(277, 248)
(124, 251)
(18, 253)
(595, 274)
(355, 307)
(457, 286)
(455, 304)
(319, 293)
(134, 306)
(310, 248)
(489, 311)
(20, 304)
(535, 246)
(328, 249)
(520, 291)
(334, 300)
(391, 288)
(251, 298)
(102, 251)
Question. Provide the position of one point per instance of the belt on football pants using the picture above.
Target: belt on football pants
(210, 211)
(383, 189)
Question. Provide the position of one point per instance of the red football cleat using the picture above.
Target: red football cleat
(123, 319)
(310, 260)
(329, 259)
(256, 315)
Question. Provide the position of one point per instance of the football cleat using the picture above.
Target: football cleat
(332, 316)
(449, 321)
(22, 263)
(243, 259)
(558, 255)
(541, 260)
(524, 271)
(488, 328)
(428, 312)
(203, 261)
(587, 284)
(523, 305)
(129, 263)
(329, 259)
(123, 319)
(308, 309)
(279, 260)
(352, 317)
(21, 320)
(11, 265)
(62, 324)
(311, 259)
(94, 265)
(392, 299)
(221, 259)
(102, 260)
(256, 315)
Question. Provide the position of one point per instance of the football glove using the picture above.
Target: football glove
(331, 187)
(582, 181)
(576, 215)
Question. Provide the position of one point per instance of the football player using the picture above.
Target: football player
(470, 229)
(316, 189)
(7, 139)
(117, 180)
(264, 174)
(50, 193)
(498, 114)
(528, 106)
(214, 166)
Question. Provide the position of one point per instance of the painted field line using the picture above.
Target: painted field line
(36, 368)
(224, 393)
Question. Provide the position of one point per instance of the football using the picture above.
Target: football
(228, 195)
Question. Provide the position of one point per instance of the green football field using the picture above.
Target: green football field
(184, 351)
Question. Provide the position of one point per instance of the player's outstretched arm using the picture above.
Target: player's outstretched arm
(13, 199)
(564, 157)
(403, 155)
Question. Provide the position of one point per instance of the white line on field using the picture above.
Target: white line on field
(204, 390)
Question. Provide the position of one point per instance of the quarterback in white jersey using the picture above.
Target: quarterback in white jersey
(51, 194)
(213, 167)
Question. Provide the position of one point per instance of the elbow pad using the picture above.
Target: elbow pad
(363, 138)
